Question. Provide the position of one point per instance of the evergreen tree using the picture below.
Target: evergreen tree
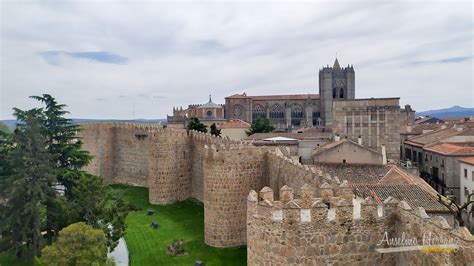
(93, 204)
(195, 124)
(261, 125)
(63, 144)
(85, 197)
(215, 131)
(28, 185)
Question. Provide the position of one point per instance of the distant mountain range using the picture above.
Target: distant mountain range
(11, 123)
(452, 112)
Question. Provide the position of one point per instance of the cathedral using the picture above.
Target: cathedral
(375, 122)
(296, 110)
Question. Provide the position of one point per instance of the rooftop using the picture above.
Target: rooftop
(433, 136)
(383, 181)
(276, 97)
(234, 123)
(468, 160)
(334, 144)
(299, 136)
(414, 195)
(210, 104)
(451, 149)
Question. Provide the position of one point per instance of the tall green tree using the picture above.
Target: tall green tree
(77, 244)
(63, 144)
(85, 193)
(195, 124)
(215, 131)
(261, 125)
(85, 198)
(27, 186)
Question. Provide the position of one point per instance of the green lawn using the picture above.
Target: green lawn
(184, 220)
(9, 259)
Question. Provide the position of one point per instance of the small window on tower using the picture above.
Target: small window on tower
(341, 93)
(334, 93)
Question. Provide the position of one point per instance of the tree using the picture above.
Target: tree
(77, 244)
(85, 198)
(63, 144)
(27, 187)
(94, 205)
(4, 128)
(215, 131)
(261, 125)
(457, 210)
(195, 124)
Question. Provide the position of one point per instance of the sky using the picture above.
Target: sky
(124, 59)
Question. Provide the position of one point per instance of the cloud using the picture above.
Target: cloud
(54, 57)
(177, 53)
(449, 60)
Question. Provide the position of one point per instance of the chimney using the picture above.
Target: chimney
(337, 138)
(359, 140)
(384, 155)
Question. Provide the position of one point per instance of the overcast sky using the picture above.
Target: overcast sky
(106, 59)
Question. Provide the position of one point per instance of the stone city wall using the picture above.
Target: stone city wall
(415, 223)
(229, 173)
(121, 151)
(329, 230)
(313, 231)
(169, 178)
(282, 171)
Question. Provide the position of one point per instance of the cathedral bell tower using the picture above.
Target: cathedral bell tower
(335, 84)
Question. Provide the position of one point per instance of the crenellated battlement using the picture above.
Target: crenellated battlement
(209, 139)
(334, 228)
(328, 209)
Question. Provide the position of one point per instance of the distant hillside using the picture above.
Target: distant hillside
(452, 112)
(11, 123)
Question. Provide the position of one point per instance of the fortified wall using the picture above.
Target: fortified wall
(176, 165)
(311, 224)
(330, 230)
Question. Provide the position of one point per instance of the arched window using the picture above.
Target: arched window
(341, 93)
(258, 112)
(297, 111)
(316, 118)
(334, 93)
(277, 111)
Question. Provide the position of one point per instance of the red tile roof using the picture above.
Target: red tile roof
(276, 97)
(433, 136)
(468, 160)
(234, 123)
(451, 149)
(285, 97)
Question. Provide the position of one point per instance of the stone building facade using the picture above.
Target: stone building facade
(436, 154)
(375, 121)
(176, 165)
(208, 113)
(290, 111)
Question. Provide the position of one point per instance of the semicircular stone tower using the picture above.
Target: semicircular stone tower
(169, 167)
(229, 175)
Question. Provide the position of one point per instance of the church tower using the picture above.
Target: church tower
(335, 84)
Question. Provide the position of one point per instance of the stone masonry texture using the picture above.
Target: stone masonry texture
(310, 220)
